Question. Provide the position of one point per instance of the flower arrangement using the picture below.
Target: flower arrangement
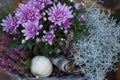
(42, 24)
(75, 38)
(38, 27)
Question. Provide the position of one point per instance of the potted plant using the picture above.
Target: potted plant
(51, 38)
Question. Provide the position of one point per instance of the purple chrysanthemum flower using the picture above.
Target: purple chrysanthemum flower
(10, 24)
(77, 5)
(31, 29)
(27, 12)
(38, 40)
(59, 13)
(44, 1)
(36, 4)
(52, 27)
(49, 36)
(66, 24)
(83, 17)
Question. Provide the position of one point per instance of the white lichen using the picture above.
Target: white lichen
(98, 51)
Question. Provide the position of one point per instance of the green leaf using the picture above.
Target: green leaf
(29, 45)
(12, 44)
(36, 49)
(21, 46)
(46, 49)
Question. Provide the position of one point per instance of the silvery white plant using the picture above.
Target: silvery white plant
(98, 51)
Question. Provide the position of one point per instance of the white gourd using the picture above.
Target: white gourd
(41, 66)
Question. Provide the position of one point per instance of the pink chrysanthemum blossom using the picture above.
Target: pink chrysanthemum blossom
(59, 13)
(27, 12)
(31, 29)
(66, 25)
(77, 5)
(38, 40)
(10, 24)
(49, 36)
(36, 4)
(44, 1)
(52, 27)
(83, 17)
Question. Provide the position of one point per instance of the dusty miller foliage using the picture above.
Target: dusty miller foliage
(98, 51)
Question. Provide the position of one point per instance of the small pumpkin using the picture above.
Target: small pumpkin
(41, 66)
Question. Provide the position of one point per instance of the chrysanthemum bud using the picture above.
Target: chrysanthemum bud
(62, 39)
(71, 0)
(23, 41)
(45, 19)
